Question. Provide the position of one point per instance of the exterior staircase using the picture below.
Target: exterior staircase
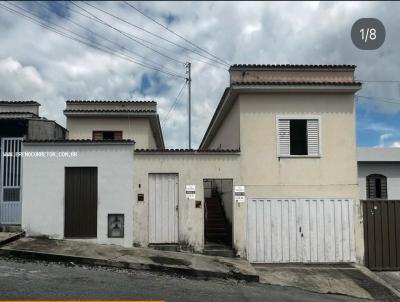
(218, 230)
(218, 249)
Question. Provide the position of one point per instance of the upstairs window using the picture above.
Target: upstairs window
(376, 186)
(298, 136)
(107, 135)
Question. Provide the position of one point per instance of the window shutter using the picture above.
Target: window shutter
(97, 135)
(118, 135)
(313, 137)
(283, 137)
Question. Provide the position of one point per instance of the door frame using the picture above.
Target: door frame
(177, 205)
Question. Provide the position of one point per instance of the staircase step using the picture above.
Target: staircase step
(216, 229)
(215, 226)
(220, 253)
(165, 247)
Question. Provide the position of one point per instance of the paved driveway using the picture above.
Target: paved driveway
(344, 279)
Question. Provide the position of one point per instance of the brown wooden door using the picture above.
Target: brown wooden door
(80, 202)
(382, 234)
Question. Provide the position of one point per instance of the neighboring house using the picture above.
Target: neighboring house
(18, 121)
(115, 120)
(274, 178)
(379, 173)
(379, 186)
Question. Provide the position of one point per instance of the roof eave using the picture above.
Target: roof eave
(157, 131)
(261, 67)
(68, 113)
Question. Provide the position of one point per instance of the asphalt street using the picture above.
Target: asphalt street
(21, 279)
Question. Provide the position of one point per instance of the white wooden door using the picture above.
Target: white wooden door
(10, 181)
(300, 230)
(163, 208)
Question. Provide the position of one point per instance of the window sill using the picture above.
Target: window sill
(299, 156)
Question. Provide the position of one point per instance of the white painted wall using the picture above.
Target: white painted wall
(43, 188)
(137, 129)
(390, 169)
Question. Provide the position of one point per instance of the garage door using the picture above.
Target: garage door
(300, 230)
(163, 208)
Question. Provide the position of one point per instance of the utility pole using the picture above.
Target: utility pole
(189, 81)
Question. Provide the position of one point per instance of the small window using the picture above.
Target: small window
(298, 137)
(107, 135)
(376, 186)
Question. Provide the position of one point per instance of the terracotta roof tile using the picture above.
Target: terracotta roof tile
(66, 141)
(108, 102)
(19, 103)
(110, 110)
(293, 66)
(298, 83)
(186, 151)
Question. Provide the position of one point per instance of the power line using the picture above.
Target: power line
(174, 104)
(380, 99)
(103, 37)
(128, 36)
(138, 38)
(153, 34)
(173, 32)
(90, 44)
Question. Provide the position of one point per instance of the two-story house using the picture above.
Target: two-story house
(274, 178)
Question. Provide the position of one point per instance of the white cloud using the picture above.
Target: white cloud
(37, 64)
(383, 138)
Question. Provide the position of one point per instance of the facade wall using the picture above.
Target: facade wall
(333, 175)
(137, 129)
(391, 170)
(191, 170)
(43, 188)
(228, 135)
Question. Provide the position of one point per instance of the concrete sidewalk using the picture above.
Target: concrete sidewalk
(343, 279)
(134, 258)
(6, 237)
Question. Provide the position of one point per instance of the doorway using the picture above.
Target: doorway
(218, 211)
(163, 208)
(80, 202)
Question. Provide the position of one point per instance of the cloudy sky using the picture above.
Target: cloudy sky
(37, 63)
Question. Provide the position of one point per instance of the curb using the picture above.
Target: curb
(377, 279)
(12, 238)
(128, 265)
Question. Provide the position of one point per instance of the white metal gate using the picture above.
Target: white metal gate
(300, 230)
(10, 184)
(163, 208)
